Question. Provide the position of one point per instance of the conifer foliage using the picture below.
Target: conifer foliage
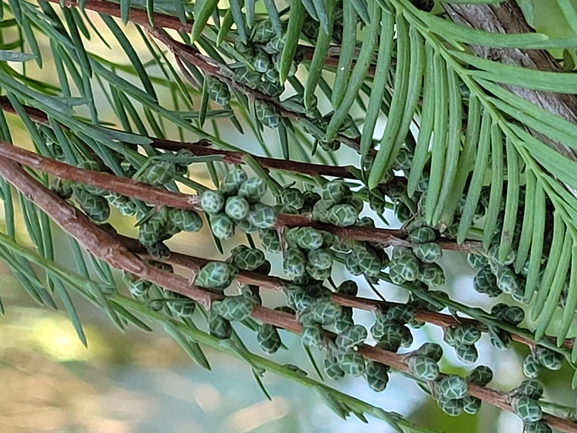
(280, 105)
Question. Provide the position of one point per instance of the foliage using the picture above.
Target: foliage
(462, 163)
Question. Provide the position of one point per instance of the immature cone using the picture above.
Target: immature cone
(158, 173)
(477, 261)
(352, 363)
(216, 276)
(218, 91)
(342, 215)
(262, 32)
(312, 335)
(432, 274)
(352, 336)
(334, 191)
(531, 366)
(252, 189)
(182, 306)
(266, 114)
(233, 308)
(236, 207)
(139, 287)
(422, 235)
(262, 216)
(212, 201)
(431, 350)
(423, 367)
(219, 327)
(348, 287)
(377, 375)
(500, 338)
(486, 283)
(247, 258)
(321, 259)
(530, 388)
(95, 206)
(294, 262)
(268, 338)
(292, 198)
(466, 335)
(222, 226)
(471, 405)
(308, 238)
(452, 387)
(429, 252)
(480, 376)
(452, 407)
(232, 181)
(548, 359)
(270, 240)
(467, 353)
(324, 312)
(526, 408)
(186, 220)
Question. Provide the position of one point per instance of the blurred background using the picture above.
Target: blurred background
(143, 382)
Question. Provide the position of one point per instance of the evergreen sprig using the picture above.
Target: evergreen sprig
(484, 172)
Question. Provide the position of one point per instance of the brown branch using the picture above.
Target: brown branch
(120, 185)
(193, 56)
(94, 239)
(171, 22)
(397, 362)
(106, 247)
(396, 237)
(218, 71)
(162, 197)
(201, 148)
(195, 264)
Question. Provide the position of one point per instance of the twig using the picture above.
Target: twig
(97, 241)
(162, 197)
(106, 247)
(165, 21)
(195, 264)
(190, 54)
(201, 148)
(120, 185)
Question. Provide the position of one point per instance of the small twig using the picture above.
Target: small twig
(162, 197)
(195, 264)
(190, 54)
(201, 148)
(395, 237)
(97, 241)
(217, 70)
(165, 21)
(106, 247)
(120, 185)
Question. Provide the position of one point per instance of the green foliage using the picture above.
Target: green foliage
(486, 172)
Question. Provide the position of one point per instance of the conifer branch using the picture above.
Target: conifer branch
(161, 197)
(208, 66)
(202, 148)
(165, 21)
(195, 264)
(104, 246)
